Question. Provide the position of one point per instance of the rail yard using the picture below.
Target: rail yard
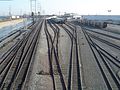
(60, 54)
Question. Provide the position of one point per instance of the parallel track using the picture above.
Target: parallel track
(15, 64)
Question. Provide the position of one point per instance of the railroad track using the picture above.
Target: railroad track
(104, 41)
(15, 64)
(114, 37)
(53, 51)
(115, 46)
(74, 81)
(74, 78)
(106, 62)
(104, 34)
(107, 30)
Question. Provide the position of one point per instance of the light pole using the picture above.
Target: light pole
(39, 8)
(33, 10)
(31, 6)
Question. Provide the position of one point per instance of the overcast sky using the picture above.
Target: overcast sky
(91, 7)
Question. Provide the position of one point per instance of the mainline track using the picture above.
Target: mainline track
(15, 64)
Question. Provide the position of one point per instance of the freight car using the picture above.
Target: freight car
(59, 20)
(94, 23)
(100, 24)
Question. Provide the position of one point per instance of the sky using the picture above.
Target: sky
(82, 7)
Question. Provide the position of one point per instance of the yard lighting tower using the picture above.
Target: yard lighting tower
(33, 6)
(33, 9)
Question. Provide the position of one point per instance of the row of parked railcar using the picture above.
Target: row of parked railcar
(94, 23)
(59, 20)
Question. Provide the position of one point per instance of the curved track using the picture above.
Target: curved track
(74, 77)
(53, 51)
(108, 60)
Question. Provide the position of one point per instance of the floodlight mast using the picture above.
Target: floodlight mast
(31, 6)
(33, 10)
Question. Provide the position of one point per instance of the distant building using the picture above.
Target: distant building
(15, 17)
(72, 16)
(77, 17)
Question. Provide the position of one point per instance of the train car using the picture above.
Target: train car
(94, 23)
(58, 20)
(100, 24)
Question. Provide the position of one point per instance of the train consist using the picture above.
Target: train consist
(94, 23)
(58, 20)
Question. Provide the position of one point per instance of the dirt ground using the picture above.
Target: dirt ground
(12, 22)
